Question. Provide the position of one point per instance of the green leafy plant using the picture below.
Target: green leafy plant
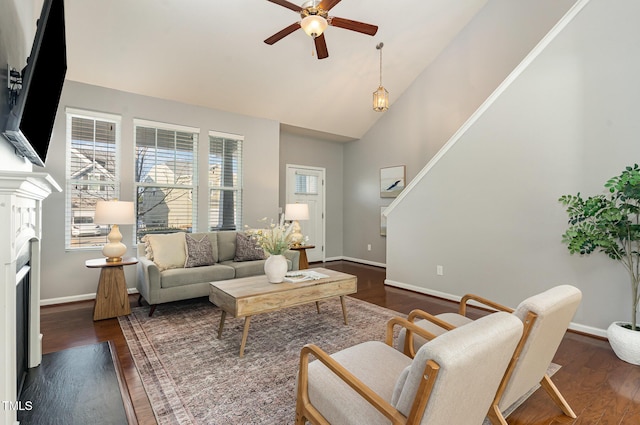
(610, 224)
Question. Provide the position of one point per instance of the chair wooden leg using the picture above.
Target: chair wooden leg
(495, 416)
(555, 395)
(140, 300)
(152, 309)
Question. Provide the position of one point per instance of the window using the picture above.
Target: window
(166, 177)
(225, 181)
(93, 142)
(306, 184)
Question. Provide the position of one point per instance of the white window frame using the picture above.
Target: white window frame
(96, 116)
(194, 182)
(237, 189)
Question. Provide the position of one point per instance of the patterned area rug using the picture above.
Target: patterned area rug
(191, 377)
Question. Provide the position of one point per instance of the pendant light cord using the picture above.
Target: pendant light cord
(379, 47)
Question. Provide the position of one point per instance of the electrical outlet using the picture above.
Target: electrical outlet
(439, 270)
(368, 247)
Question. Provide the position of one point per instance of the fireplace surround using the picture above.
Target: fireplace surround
(21, 196)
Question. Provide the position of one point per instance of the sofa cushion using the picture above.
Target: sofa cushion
(250, 268)
(226, 245)
(199, 251)
(247, 249)
(247, 268)
(180, 277)
(169, 250)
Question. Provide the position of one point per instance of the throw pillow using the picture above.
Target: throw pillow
(247, 249)
(147, 247)
(199, 252)
(169, 251)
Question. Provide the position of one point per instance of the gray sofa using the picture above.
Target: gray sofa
(158, 284)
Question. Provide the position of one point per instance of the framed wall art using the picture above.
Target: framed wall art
(392, 181)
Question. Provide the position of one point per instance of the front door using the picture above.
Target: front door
(306, 185)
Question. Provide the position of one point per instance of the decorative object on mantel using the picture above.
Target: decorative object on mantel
(315, 19)
(294, 213)
(114, 213)
(392, 181)
(380, 96)
(274, 240)
(610, 224)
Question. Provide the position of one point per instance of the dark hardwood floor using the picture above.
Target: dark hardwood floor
(600, 388)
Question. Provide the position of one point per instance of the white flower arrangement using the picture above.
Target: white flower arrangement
(275, 239)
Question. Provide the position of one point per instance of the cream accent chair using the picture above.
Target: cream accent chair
(546, 317)
(451, 380)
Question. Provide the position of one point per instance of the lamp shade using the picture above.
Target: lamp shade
(296, 212)
(114, 212)
(313, 25)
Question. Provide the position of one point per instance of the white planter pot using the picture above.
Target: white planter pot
(275, 267)
(625, 342)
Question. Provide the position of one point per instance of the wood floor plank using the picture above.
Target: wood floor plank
(76, 386)
(600, 388)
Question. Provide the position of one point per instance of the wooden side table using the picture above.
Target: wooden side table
(304, 262)
(112, 298)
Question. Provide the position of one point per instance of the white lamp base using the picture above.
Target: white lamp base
(115, 249)
(296, 236)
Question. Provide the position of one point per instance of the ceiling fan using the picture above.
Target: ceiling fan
(315, 18)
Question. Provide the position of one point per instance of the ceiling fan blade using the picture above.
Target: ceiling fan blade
(321, 47)
(353, 25)
(283, 33)
(328, 4)
(288, 5)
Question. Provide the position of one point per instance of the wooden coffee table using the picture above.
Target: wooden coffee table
(248, 296)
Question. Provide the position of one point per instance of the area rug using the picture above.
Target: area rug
(191, 377)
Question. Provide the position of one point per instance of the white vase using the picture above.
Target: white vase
(275, 267)
(625, 342)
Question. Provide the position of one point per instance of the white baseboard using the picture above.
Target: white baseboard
(589, 330)
(76, 298)
(357, 260)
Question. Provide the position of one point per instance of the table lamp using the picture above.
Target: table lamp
(114, 213)
(295, 212)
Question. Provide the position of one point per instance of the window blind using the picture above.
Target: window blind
(92, 174)
(166, 178)
(306, 184)
(225, 181)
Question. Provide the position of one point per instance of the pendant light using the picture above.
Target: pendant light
(380, 96)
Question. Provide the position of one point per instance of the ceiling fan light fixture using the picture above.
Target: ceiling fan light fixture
(314, 25)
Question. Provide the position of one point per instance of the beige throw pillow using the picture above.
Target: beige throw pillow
(169, 250)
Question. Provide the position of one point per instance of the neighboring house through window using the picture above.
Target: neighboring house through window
(166, 177)
(93, 143)
(225, 181)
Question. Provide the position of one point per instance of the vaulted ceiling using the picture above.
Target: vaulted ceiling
(211, 53)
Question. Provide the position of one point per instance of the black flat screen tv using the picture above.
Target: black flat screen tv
(30, 121)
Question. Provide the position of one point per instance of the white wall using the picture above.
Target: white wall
(63, 272)
(18, 28)
(487, 211)
(435, 106)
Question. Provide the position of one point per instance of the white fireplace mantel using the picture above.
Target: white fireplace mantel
(21, 196)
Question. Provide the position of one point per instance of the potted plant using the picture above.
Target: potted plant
(275, 240)
(610, 223)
